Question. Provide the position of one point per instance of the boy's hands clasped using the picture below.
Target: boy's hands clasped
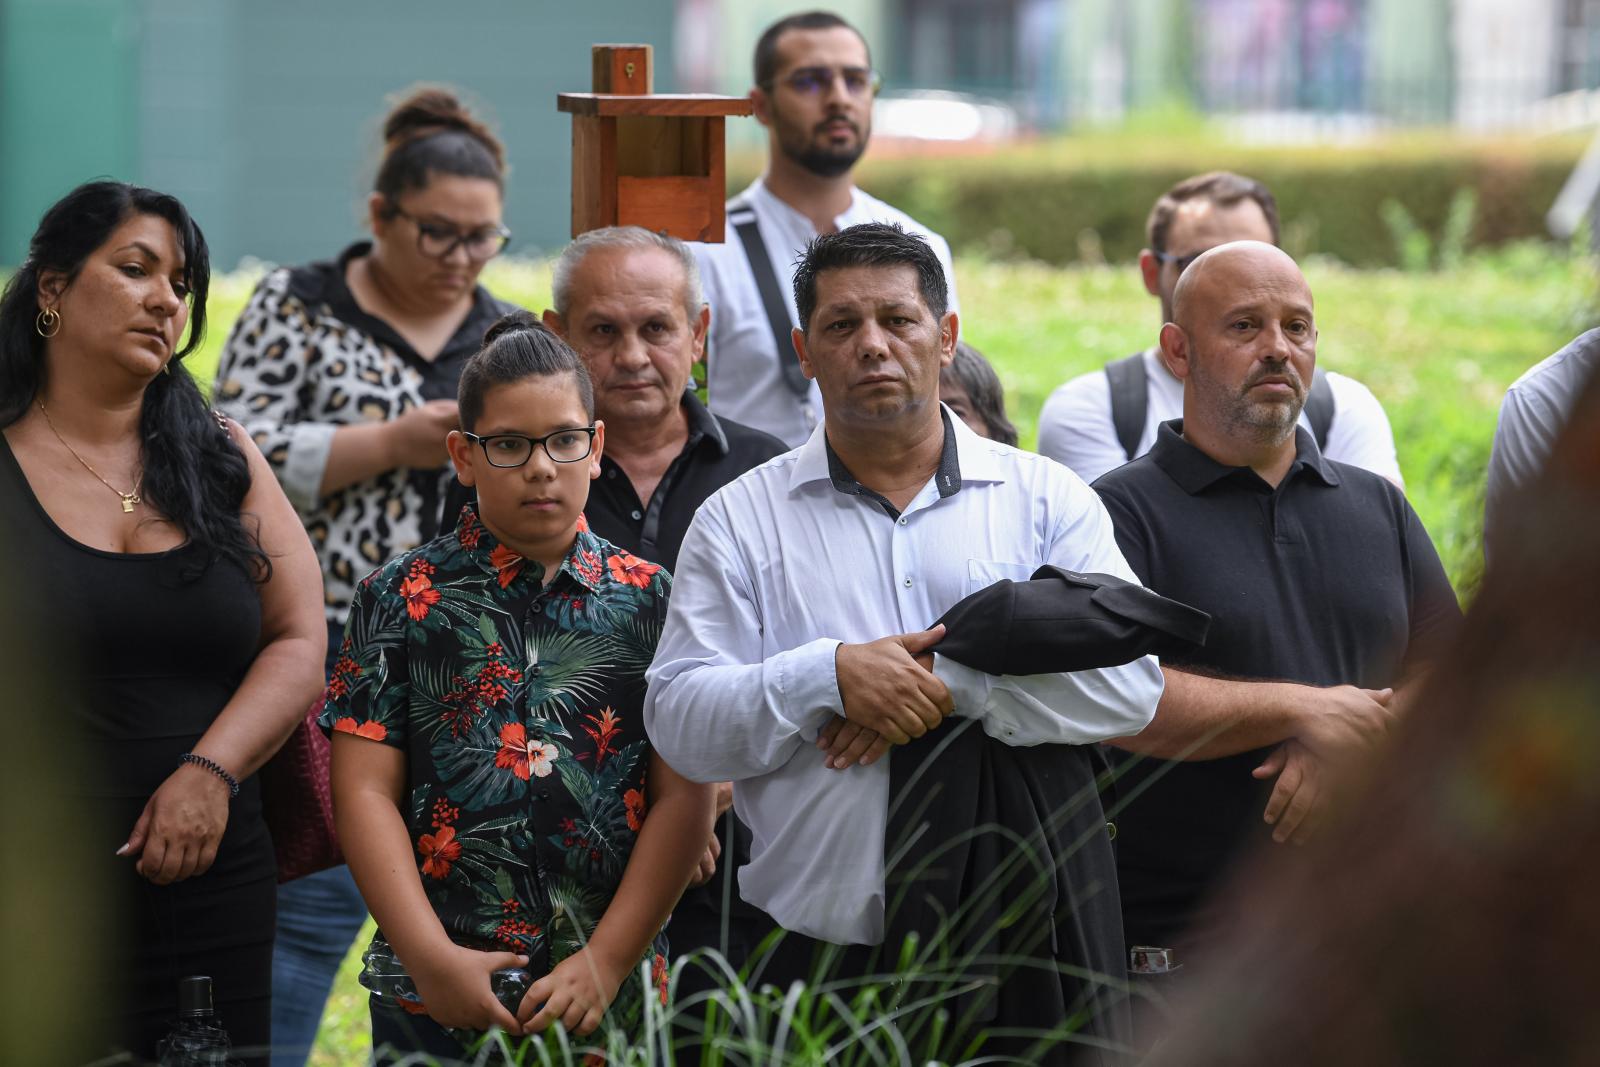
(454, 985)
(890, 695)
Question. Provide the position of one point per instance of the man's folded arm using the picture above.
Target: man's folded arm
(716, 710)
(1076, 707)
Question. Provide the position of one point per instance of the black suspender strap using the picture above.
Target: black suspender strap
(743, 218)
(1130, 400)
(1319, 408)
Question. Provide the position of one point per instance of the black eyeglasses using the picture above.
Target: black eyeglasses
(514, 449)
(814, 81)
(1182, 262)
(436, 241)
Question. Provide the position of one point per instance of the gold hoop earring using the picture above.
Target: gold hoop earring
(48, 324)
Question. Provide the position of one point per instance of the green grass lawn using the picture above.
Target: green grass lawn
(1437, 348)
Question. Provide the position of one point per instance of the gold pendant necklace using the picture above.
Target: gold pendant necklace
(129, 499)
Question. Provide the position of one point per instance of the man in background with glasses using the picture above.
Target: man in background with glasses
(814, 92)
(1103, 419)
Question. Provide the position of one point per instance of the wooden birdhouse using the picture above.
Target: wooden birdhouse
(646, 159)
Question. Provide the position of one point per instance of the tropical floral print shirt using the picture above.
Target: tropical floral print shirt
(518, 706)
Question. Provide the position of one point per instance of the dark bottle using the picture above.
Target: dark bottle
(198, 1039)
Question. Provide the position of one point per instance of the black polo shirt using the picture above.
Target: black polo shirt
(718, 451)
(1328, 579)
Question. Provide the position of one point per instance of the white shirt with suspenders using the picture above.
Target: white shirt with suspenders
(1100, 420)
(750, 376)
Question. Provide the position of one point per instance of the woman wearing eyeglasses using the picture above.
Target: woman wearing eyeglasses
(344, 371)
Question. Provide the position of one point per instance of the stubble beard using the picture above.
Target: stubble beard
(1263, 422)
(803, 148)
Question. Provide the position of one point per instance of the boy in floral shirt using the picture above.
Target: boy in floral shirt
(491, 774)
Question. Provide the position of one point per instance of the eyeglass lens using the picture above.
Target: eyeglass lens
(857, 80)
(513, 450)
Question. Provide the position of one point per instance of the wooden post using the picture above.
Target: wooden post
(644, 159)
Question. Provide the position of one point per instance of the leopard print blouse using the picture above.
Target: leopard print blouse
(302, 360)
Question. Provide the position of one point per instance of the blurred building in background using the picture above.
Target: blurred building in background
(264, 116)
(1295, 69)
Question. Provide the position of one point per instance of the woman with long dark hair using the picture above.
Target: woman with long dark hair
(344, 371)
(177, 592)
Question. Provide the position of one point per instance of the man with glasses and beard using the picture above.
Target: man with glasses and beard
(814, 91)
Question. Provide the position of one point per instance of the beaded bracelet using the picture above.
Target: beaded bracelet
(215, 768)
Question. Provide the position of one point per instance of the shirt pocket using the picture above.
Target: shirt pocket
(982, 573)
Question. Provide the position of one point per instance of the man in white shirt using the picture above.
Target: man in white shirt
(1103, 419)
(1532, 416)
(814, 91)
(800, 607)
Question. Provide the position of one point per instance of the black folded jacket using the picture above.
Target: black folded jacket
(1060, 620)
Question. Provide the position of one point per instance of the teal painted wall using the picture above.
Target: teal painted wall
(264, 117)
(68, 110)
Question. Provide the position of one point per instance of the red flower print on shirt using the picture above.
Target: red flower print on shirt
(420, 595)
(607, 727)
(587, 564)
(523, 757)
(439, 851)
(583, 523)
(507, 562)
(634, 800)
(626, 567)
(658, 975)
(372, 731)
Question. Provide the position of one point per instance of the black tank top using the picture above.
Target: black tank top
(147, 647)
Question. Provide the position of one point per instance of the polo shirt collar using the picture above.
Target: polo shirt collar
(584, 562)
(703, 425)
(820, 463)
(1194, 471)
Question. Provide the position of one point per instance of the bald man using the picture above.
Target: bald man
(1326, 596)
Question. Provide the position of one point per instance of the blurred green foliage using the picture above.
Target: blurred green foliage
(1437, 347)
(1080, 198)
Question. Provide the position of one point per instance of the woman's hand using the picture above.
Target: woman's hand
(177, 834)
(576, 994)
(453, 983)
(416, 439)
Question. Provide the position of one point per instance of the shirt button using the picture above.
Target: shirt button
(536, 670)
(908, 581)
(901, 520)
(544, 794)
(635, 514)
(612, 473)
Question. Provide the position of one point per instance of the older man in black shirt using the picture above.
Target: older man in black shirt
(629, 301)
(1325, 592)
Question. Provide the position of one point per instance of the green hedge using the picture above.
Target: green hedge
(1082, 199)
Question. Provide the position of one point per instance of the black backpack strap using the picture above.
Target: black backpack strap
(1130, 400)
(1319, 408)
(743, 218)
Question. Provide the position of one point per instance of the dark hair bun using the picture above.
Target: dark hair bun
(514, 322)
(430, 109)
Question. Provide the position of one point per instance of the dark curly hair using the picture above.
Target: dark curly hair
(194, 474)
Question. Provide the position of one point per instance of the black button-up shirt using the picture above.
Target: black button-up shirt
(1327, 579)
(717, 452)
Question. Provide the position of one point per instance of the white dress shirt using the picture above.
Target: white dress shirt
(744, 382)
(1075, 426)
(1532, 416)
(778, 569)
